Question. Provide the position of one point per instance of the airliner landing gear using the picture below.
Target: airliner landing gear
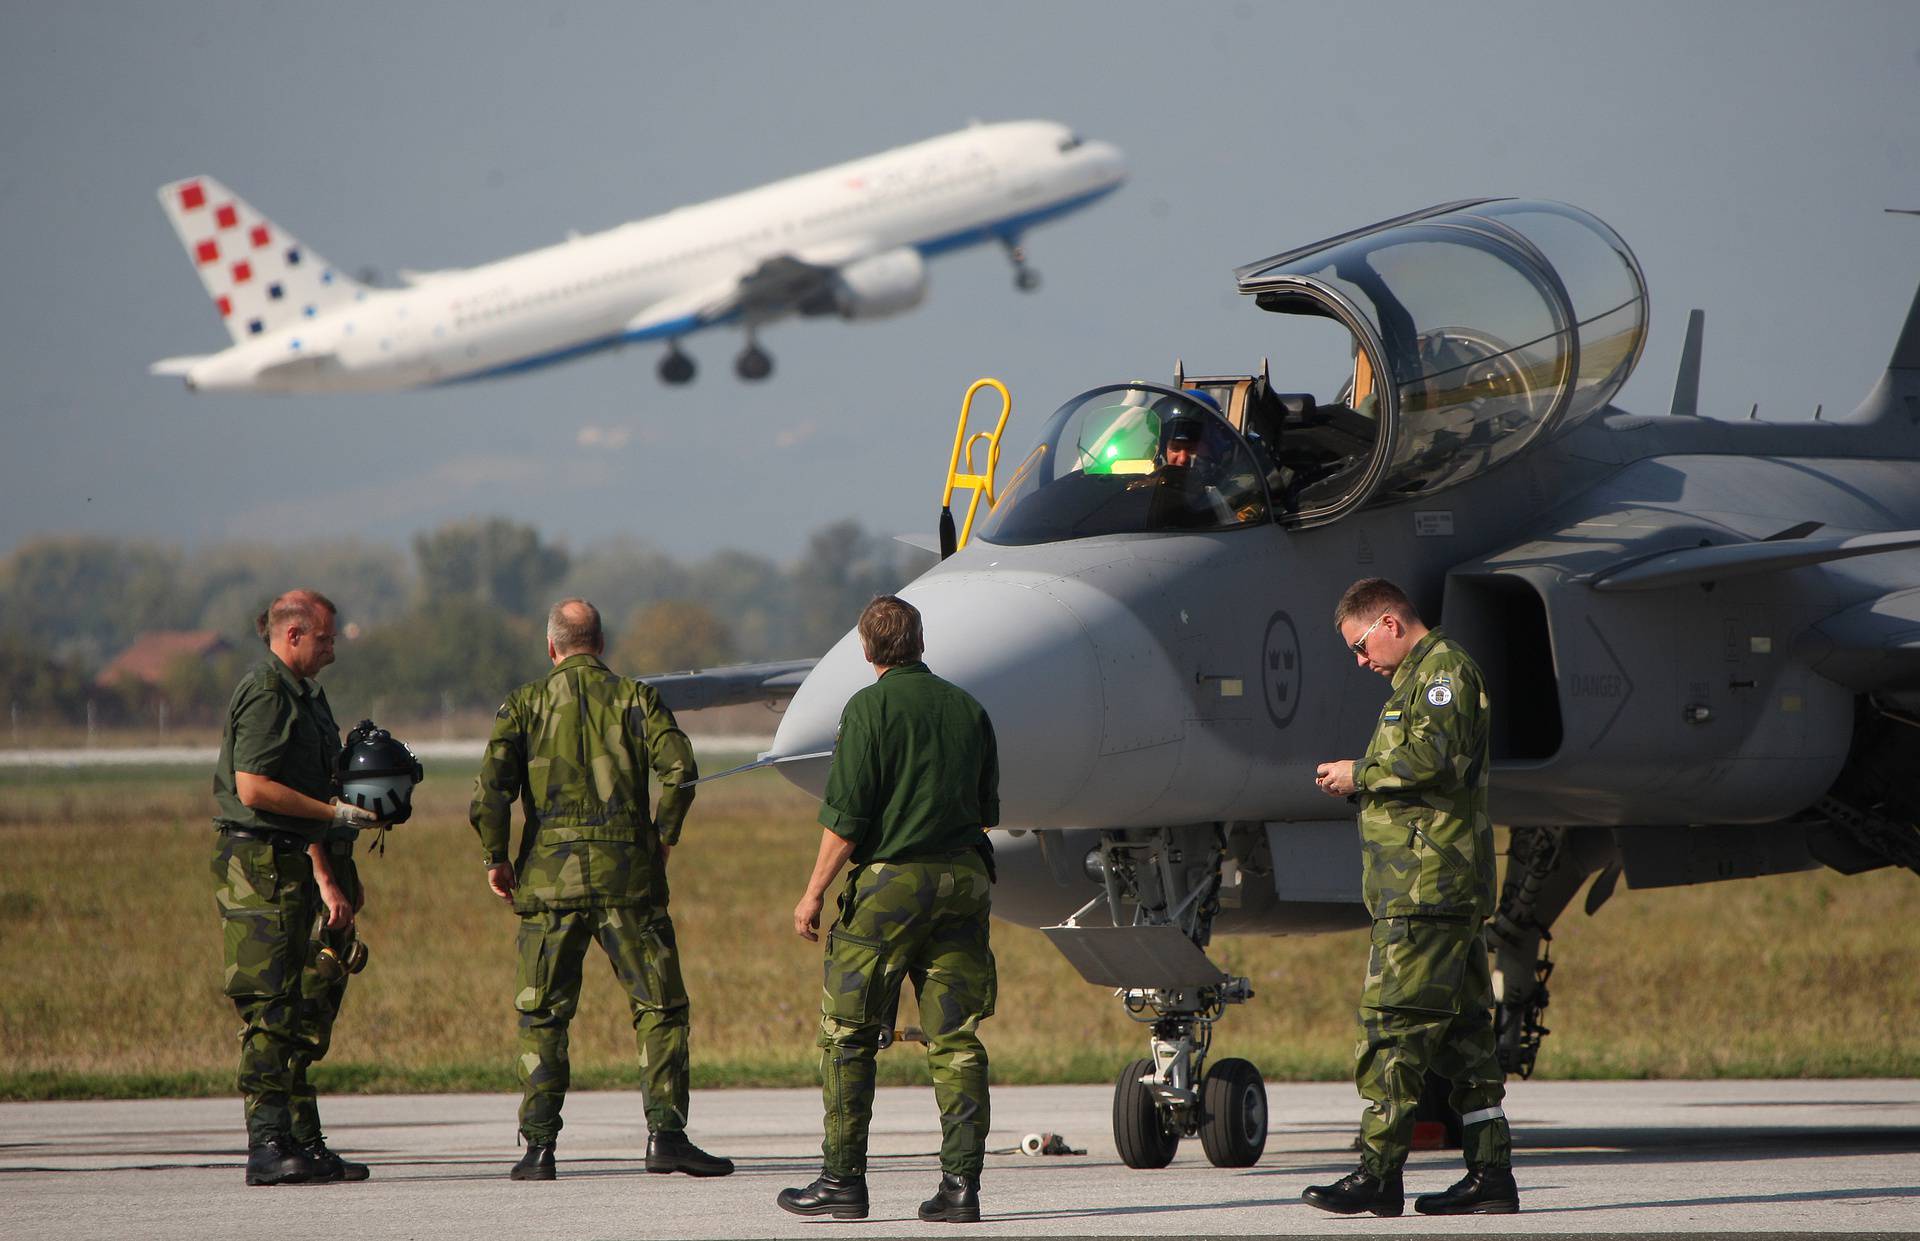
(754, 363)
(1025, 278)
(1162, 891)
(676, 368)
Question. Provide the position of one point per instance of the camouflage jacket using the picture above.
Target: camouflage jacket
(571, 748)
(1426, 841)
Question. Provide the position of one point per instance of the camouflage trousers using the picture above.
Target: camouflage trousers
(265, 895)
(320, 1000)
(924, 922)
(640, 943)
(1428, 1007)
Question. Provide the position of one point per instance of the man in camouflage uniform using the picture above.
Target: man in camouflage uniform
(914, 785)
(592, 866)
(275, 880)
(1428, 879)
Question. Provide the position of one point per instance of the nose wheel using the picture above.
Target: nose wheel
(676, 368)
(1025, 278)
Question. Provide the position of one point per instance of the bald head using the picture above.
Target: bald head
(573, 628)
(299, 629)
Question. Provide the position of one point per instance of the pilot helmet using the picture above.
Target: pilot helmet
(377, 773)
(1113, 436)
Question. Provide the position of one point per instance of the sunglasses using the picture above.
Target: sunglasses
(1359, 645)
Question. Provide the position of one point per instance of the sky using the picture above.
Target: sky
(1745, 151)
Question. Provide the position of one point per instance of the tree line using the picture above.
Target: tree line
(449, 624)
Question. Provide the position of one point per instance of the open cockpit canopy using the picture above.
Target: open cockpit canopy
(1477, 327)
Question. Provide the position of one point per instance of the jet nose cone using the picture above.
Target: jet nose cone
(1018, 650)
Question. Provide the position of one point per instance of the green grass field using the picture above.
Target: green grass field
(110, 961)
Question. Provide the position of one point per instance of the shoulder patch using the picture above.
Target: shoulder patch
(1439, 693)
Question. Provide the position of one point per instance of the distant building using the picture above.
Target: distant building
(153, 653)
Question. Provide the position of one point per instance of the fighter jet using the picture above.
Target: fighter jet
(849, 241)
(1701, 636)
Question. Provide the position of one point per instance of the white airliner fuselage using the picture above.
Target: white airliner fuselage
(850, 240)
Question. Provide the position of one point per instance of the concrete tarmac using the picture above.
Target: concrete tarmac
(1593, 1158)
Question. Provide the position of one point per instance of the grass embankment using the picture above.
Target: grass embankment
(110, 956)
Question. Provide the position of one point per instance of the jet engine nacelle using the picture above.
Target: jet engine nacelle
(884, 284)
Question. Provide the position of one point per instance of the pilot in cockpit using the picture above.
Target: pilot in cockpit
(1189, 474)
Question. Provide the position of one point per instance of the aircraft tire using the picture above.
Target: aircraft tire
(1026, 280)
(753, 364)
(1145, 1138)
(1233, 1125)
(676, 368)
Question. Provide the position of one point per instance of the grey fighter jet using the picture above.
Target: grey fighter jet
(1702, 637)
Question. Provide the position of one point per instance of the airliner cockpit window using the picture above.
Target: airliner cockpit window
(1131, 459)
(1069, 142)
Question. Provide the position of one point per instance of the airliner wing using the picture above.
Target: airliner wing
(176, 366)
(781, 285)
(685, 312)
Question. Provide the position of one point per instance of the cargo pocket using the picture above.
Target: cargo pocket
(257, 922)
(1420, 964)
(652, 976)
(534, 968)
(855, 969)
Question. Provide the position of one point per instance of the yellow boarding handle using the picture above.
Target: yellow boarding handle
(981, 483)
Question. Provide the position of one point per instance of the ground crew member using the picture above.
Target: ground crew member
(1428, 878)
(574, 747)
(914, 785)
(274, 879)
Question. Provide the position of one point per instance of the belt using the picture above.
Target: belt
(279, 840)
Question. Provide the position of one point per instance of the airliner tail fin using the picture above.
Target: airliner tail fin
(259, 276)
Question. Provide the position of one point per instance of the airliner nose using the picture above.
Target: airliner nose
(1109, 159)
(1018, 650)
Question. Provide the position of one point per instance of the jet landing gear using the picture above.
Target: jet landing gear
(676, 368)
(1025, 278)
(753, 363)
(1545, 868)
(1162, 891)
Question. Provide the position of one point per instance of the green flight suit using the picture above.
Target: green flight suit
(1428, 880)
(280, 727)
(574, 748)
(914, 785)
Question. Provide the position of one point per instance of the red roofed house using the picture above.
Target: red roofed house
(152, 654)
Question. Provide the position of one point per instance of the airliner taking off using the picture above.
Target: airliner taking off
(851, 240)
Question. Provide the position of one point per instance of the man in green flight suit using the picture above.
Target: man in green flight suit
(914, 785)
(1427, 874)
(274, 876)
(592, 866)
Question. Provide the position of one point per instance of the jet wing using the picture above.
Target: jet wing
(1712, 564)
(731, 685)
(176, 366)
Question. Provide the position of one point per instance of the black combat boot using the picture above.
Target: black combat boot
(1482, 1191)
(671, 1152)
(329, 1167)
(843, 1197)
(278, 1161)
(957, 1201)
(1359, 1191)
(536, 1164)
